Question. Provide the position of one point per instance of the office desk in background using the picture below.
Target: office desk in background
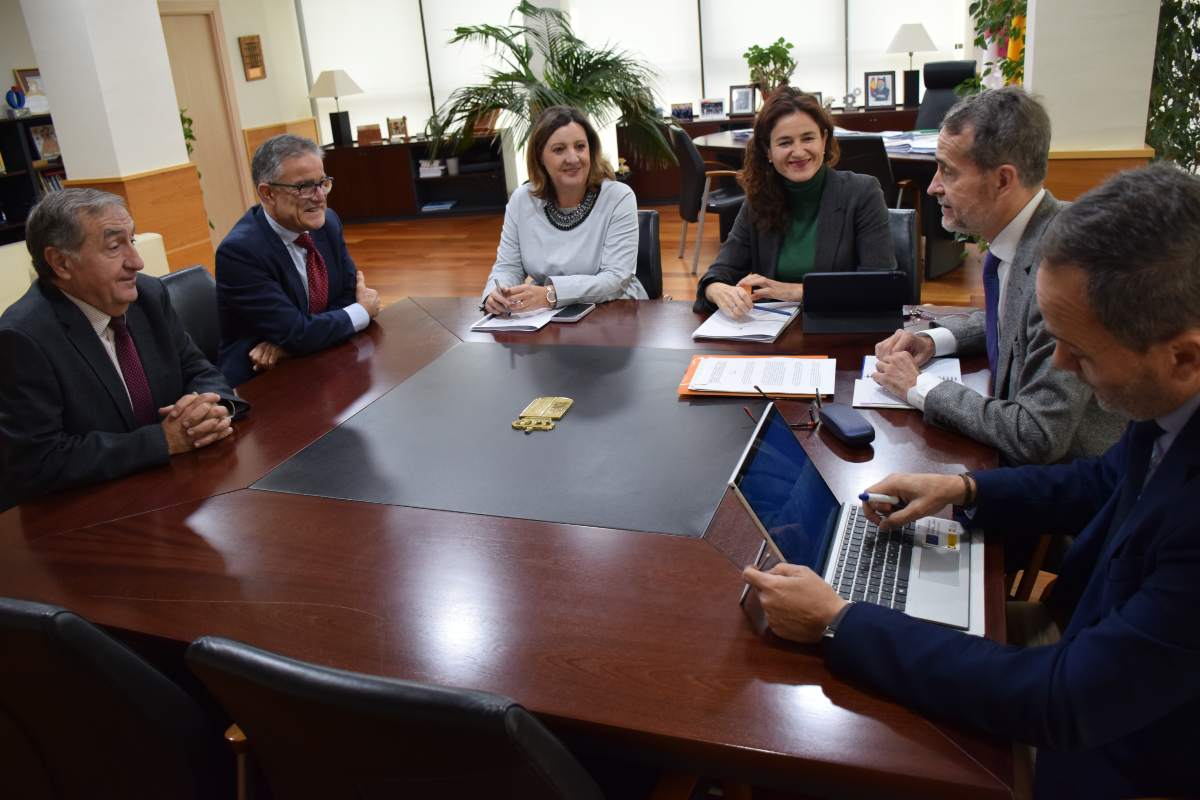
(628, 640)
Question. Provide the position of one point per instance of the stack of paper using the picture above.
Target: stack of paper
(791, 375)
(433, 171)
(764, 323)
(527, 322)
(869, 394)
(911, 141)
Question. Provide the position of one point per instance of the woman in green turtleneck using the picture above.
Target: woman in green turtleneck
(800, 215)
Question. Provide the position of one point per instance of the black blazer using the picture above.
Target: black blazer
(65, 418)
(260, 296)
(852, 233)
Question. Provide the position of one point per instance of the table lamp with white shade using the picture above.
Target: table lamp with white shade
(911, 38)
(336, 83)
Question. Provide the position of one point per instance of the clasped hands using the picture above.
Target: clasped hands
(736, 301)
(505, 300)
(799, 604)
(899, 359)
(194, 421)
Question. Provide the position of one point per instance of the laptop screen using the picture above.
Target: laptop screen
(790, 497)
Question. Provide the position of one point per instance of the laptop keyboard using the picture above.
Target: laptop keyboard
(872, 565)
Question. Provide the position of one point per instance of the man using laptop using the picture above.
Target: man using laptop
(1107, 686)
(992, 153)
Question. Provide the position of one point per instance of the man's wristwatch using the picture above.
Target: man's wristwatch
(831, 629)
(551, 297)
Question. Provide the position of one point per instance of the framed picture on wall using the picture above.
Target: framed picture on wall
(879, 89)
(742, 100)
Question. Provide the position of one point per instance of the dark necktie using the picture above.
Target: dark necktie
(318, 275)
(991, 301)
(144, 410)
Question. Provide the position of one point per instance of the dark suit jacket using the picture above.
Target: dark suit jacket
(1039, 414)
(1113, 705)
(65, 418)
(852, 233)
(260, 296)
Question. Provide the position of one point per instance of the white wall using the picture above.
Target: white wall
(282, 95)
(1096, 87)
(15, 50)
(114, 107)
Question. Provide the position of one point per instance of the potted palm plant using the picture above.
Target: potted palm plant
(545, 64)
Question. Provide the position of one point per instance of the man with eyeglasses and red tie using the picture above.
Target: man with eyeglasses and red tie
(286, 285)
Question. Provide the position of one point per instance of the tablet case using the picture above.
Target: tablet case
(854, 302)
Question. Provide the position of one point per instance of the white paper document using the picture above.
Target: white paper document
(527, 322)
(774, 375)
(869, 394)
(764, 323)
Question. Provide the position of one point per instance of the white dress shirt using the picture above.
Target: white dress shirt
(1004, 246)
(358, 315)
(102, 324)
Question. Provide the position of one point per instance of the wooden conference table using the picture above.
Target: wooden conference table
(630, 641)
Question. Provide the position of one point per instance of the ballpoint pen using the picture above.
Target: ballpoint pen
(773, 310)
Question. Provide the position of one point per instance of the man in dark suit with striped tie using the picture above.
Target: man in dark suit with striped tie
(992, 154)
(1105, 676)
(286, 285)
(98, 378)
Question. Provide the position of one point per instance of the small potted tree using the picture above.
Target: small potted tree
(771, 66)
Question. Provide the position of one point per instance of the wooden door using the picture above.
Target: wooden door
(199, 88)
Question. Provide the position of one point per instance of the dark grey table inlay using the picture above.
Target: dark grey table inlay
(629, 454)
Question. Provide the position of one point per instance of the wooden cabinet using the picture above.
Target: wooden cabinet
(382, 181)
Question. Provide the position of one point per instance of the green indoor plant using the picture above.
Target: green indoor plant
(771, 66)
(994, 20)
(544, 64)
(1173, 125)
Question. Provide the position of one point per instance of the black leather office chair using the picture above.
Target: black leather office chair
(324, 733)
(940, 79)
(903, 224)
(696, 192)
(194, 297)
(82, 716)
(649, 256)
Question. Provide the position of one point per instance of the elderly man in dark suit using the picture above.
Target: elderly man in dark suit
(992, 154)
(1107, 682)
(99, 377)
(286, 285)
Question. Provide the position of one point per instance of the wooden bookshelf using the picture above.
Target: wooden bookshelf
(27, 176)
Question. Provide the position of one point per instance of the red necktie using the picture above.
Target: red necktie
(318, 275)
(144, 410)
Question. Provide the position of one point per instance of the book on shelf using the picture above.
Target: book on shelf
(45, 141)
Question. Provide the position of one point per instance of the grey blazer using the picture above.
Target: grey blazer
(1039, 414)
(852, 233)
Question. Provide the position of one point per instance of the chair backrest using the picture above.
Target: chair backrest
(324, 733)
(194, 297)
(82, 716)
(649, 255)
(903, 223)
(940, 79)
(691, 174)
(866, 155)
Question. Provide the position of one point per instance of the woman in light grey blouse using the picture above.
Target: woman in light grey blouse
(572, 228)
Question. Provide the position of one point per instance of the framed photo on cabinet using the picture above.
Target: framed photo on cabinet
(879, 90)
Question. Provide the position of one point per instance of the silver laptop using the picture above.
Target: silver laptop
(803, 523)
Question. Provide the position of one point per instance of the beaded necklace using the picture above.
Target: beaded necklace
(566, 220)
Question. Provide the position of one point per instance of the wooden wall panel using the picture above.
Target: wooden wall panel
(168, 201)
(254, 137)
(1071, 173)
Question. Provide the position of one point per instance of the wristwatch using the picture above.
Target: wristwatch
(831, 629)
(551, 297)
